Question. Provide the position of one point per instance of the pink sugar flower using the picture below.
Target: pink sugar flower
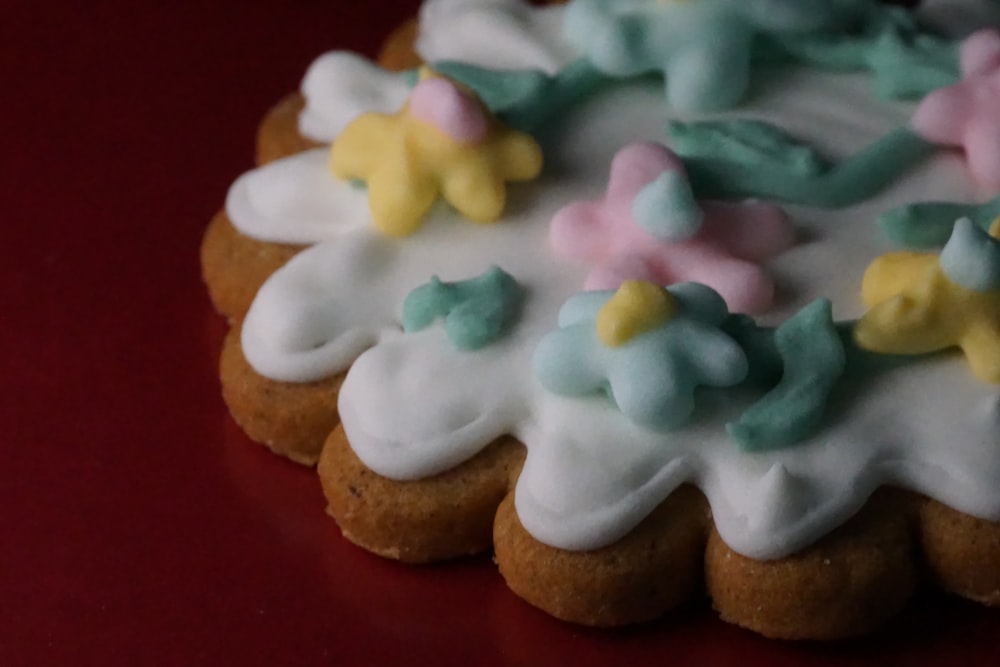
(967, 114)
(724, 251)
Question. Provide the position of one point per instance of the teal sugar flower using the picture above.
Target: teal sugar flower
(652, 377)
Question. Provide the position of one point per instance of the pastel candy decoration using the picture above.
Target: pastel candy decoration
(906, 58)
(813, 359)
(442, 143)
(476, 312)
(635, 308)
(702, 47)
(666, 208)
(967, 114)
(921, 304)
(972, 258)
(730, 159)
(930, 224)
(623, 238)
(440, 103)
(753, 144)
(652, 376)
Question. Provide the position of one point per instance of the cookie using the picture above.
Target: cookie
(748, 353)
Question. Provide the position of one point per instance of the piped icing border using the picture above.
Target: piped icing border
(577, 490)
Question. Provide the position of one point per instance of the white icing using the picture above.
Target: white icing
(500, 34)
(340, 86)
(590, 475)
(296, 200)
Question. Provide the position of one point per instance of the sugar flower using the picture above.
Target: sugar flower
(920, 303)
(442, 143)
(967, 114)
(652, 375)
(648, 227)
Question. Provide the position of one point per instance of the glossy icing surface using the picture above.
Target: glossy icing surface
(591, 474)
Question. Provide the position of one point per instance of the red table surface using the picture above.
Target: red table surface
(140, 527)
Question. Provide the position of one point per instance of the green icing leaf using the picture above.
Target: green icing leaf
(745, 143)
(907, 61)
(854, 179)
(476, 312)
(929, 224)
(500, 90)
(824, 50)
(527, 99)
(758, 344)
(913, 69)
(814, 360)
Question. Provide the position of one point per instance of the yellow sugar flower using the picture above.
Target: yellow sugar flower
(441, 143)
(920, 303)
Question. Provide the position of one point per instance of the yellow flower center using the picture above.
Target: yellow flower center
(637, 307)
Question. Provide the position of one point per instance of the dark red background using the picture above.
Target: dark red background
(139, 526)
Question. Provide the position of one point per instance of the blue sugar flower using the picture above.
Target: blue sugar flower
(652, 376)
